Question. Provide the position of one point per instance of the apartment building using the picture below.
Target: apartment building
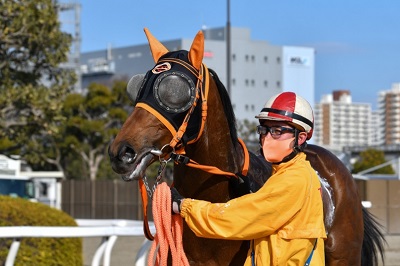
(389, 111)
(339, 122)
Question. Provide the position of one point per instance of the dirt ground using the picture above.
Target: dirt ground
(126, 248)
(392, 251)
(123, 253)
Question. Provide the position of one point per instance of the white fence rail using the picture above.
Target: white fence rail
(109, 230)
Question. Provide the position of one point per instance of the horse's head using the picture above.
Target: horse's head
(167, 112)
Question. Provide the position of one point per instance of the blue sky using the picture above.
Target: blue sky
(357, 42)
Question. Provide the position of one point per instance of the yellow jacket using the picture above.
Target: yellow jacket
(283, 219)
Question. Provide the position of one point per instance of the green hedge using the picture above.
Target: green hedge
(38, 251)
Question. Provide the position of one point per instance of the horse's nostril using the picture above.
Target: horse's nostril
(127, 155)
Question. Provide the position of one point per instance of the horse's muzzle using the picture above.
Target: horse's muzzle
(129, 164)
(122, 161)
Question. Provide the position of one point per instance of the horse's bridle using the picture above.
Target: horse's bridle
(175, 149)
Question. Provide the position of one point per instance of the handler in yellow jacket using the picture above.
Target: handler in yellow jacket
(284, 219)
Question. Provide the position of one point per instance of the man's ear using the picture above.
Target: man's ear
(302, 138)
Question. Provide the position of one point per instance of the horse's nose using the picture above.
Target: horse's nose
(126, 154)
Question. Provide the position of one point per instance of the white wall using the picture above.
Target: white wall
(298, 71)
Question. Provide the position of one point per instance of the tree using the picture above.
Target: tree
(93, 120)
(370, 158)
(33, 86)
(248, 132)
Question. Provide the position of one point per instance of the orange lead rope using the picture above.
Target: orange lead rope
(169, 229)
(143, 194)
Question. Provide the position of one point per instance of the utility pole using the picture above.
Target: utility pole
(228, 48)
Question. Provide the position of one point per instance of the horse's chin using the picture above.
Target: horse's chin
(139, 168)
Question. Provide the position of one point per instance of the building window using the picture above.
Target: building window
(233, 81)
(278, 60)
(253, 83)
(246, 82)
(233, 57)
(246, 107)
(253, 58)
(265, 59)
(266, 83)
(247, 58)
(252, 107)
(278, 84)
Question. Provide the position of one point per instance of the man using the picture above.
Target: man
(284, 219)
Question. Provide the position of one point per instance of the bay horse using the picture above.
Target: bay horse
(183, 112)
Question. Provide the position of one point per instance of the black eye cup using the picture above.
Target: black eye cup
(174, 91)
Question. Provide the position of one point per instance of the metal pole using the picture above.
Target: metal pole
(228, 49)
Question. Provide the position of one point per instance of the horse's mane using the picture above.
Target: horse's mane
(228, 109)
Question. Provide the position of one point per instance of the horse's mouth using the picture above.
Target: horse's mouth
(139, 168)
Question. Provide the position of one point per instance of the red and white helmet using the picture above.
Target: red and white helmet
(290, 107)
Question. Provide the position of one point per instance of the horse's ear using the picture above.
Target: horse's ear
(197, 50)
(156, 47)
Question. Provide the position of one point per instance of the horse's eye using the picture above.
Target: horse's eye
(175, 92)
(133, 87)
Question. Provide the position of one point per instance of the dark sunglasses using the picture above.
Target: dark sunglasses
(276, 131)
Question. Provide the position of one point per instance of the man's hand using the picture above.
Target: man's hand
(176, 200)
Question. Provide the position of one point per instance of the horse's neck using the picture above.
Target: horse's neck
(219, 148)
(214, 148)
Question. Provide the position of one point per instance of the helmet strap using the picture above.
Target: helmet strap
(289, 157)
(296, 149)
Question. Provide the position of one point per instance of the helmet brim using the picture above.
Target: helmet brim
(292, 124)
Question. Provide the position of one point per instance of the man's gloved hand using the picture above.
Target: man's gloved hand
(176, 200)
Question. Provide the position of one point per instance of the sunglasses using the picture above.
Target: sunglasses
(275, 131)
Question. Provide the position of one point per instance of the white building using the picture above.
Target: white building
(377, 131)
(339, 122)
(259, 70)
(18, 180)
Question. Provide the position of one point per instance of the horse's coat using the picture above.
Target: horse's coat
(353, 235)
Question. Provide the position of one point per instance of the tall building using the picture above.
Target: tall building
(339, 122)
(69, 16)
(389, 111)
(377, 131)
(258, 69)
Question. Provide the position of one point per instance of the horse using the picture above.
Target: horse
(183, 113)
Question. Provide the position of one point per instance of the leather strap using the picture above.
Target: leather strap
(143, 194)
(217, 171)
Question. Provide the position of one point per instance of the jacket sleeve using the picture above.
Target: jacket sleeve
(250, 216)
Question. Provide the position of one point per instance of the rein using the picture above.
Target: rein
(179, 158)
(200, 89)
